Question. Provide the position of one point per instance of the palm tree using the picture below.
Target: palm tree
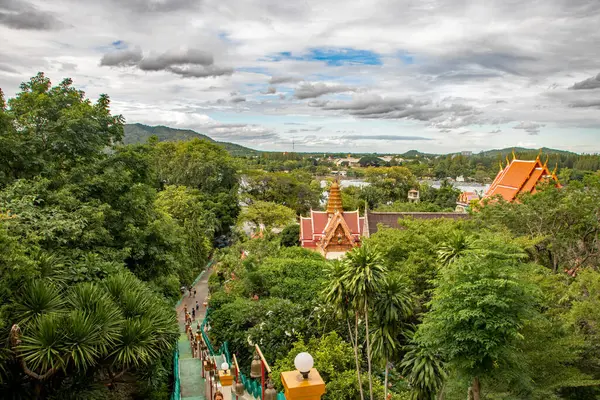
(392, 306)
(337, 295)
(363, 275)
(424, 372)
(455, 247)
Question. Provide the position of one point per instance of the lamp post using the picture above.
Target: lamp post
(305, 383)
(226, 379)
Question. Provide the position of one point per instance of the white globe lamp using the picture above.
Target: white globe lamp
(225, 366)
(303, 363)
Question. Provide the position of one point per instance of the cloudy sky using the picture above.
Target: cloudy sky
(345, 75)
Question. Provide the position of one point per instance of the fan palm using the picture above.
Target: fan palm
(364, 274)
(337, 295)
(392, 306)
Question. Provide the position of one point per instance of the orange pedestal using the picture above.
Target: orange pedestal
(298, 388)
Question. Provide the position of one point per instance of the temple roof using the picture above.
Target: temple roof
(519, 176)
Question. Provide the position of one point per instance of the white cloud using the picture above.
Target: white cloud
(494, 69)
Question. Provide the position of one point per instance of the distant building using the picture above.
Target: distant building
(332, 232)
(386, 158)
(460, 178)
(413, 196)
(350, 161)
(464, 201)
(520, 176)
(466, 153)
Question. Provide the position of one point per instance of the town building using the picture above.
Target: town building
(520, 176)
(332, 232)
(464, 201)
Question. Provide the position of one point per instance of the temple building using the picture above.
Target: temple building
(520, 176)
(332, 232)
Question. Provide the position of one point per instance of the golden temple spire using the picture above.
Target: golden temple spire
(538, 156)
(334, 203)
(555, 169)
(507, 162)
(546, 162)
(513, 154)
(501, 166)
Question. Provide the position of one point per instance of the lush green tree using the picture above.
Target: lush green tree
(392, 183)
(47, 129)
(290, 235)
(267, 215)
(478, 311)
(370, 160)
(296, 190)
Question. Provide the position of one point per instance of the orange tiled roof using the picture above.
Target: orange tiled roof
(519, 176)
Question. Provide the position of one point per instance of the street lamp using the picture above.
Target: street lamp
(303, 363)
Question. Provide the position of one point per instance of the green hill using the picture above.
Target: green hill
(140, 133)
(521, 150)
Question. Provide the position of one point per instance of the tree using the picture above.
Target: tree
(393, 183)
(370, 160)
(364, 274)
(478, 311)
(290, 236)
(49, 129)
(392, 306)
(268, 215)
(338, 295)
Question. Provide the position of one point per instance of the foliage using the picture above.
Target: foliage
(478, 310)
(295, 190)
(268, 215)
(290, 235)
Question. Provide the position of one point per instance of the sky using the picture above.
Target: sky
(383, 76)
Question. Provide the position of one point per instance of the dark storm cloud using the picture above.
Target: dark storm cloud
(405, 108)
(171, 58)
(590, 83)
(22, 15)
(190, 63)
(532, 128)
(385, 137)
(283, 79)
(586, 103)
(311, 91)
(121, 58)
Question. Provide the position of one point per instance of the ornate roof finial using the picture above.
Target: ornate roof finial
(507, 162)
(546, 162)
(513, 154)
(555, 169)
(539, 155)
(334, 203)
(501, 166)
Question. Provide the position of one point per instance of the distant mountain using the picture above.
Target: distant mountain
(521, 150)
(140, 133)
(415, 154)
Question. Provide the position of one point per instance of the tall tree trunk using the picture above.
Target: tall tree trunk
(385, 380)
(368, 349)
(476, 387)
(355, 346)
